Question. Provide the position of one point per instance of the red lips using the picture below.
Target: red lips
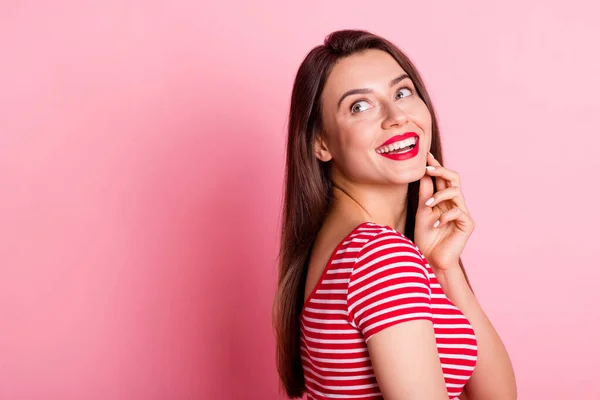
(398, 138)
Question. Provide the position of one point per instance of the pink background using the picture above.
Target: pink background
(141, 167)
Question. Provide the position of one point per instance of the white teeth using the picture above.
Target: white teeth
(398, 145)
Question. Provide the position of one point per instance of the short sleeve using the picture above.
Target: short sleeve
(388, 284)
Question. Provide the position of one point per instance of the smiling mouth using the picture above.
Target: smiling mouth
(399, 147)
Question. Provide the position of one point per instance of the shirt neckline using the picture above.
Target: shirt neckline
(328, 265)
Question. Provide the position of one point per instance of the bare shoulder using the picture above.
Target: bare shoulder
(332, 232)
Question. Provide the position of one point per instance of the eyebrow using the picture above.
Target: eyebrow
(363, 91)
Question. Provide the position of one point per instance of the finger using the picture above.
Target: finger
(452, 177)
(425, 190)
(453, 194)
(463, 221)
(433, 163)
(432, 160)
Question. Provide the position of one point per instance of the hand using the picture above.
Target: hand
(442, 242)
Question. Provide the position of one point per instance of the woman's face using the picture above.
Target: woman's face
(358, 124)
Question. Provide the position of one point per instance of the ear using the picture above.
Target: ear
(321, 150)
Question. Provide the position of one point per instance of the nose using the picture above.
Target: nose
(395, 115)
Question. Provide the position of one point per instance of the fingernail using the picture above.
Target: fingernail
(430, 168)
(431, 154)
(429, 202)
(436, 223)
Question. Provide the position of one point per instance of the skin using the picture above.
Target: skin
(370, 187)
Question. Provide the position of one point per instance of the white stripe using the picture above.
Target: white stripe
(396, 318)
(458, 377)
(456, 346)
(339, 271)
(326, 321)
(332, 331)
(455, 336)
(349, 250)
(359, 369)
(328, 301)
(456, 366)
(366, 231)
(343, 260)
(373, 226)
(452, 326)
(356, 240)
(371, 229)
(395, 308)
(444, 306)
(333, 341)
(362, 232)
(331, 291)
(325, 311)
(349, 387)
(339, 378)
(342, 361)
(332, 281)
(333, 351)
(450, 316)
(457, 357)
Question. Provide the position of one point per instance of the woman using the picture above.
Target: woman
(373, 300)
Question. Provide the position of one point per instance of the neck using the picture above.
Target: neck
(382, 204)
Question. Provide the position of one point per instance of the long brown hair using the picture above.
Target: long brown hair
(308, 188)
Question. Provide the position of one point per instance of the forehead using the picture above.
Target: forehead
(372, 68)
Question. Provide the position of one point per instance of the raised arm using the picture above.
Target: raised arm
(442, 228)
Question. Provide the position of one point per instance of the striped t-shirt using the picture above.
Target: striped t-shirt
(375, 278)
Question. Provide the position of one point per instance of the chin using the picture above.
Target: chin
(408, 176)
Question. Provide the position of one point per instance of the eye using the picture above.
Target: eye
(355, 109)
(405, 89)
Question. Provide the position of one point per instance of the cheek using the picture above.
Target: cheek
(355, 136)
(421, 115)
